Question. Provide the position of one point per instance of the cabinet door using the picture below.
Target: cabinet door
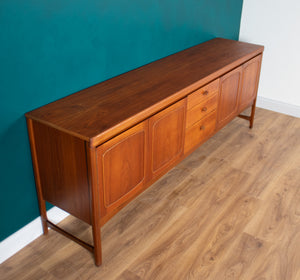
(122, 166)
(230, 85)
(251, 70)
(166, 130)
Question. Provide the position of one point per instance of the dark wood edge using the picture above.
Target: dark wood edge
(71, 236)
(41, 200)
(28, 116)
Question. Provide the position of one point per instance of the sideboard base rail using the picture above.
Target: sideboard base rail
(251, 117)
(71, 236)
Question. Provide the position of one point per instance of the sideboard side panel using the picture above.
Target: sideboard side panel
(62, 169)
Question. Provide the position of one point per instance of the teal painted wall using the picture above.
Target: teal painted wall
(49, 49)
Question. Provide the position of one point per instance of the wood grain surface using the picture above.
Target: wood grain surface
(230, 87)
(231, 210)
(97, 113)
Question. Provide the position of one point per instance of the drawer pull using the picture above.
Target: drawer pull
(204, 109)
(202, 127)
(205, 92)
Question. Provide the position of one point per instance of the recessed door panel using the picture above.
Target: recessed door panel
(230, 85)
(167, 137)
(122, 165)
(251, 71)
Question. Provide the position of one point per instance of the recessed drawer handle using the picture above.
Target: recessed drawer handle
(202, 127)
(205, 92)
(204, 109)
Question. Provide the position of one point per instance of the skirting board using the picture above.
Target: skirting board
(28, 233)
(277, 106)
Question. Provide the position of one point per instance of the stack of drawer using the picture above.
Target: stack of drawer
(201, 114)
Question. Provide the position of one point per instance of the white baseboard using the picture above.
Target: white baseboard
(27, 234)
(277, 106)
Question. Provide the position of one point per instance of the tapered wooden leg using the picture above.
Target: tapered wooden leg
(97, 245)
(251, 118)
(94, 202)
(43, 212)
(252, 113)
(41, 201)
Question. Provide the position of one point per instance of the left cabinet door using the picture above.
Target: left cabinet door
(122, 167)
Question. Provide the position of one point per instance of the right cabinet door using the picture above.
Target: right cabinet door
(166, 133)
(230, 86)
(251, 70)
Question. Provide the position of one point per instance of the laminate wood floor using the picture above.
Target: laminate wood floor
(231, 210)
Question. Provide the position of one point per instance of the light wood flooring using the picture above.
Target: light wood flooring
(231, 210)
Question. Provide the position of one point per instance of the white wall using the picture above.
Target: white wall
(276, 25)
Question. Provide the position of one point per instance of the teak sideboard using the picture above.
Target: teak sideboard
(96, 150)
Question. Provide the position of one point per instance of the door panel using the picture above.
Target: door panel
(166, 130)
(122, 166)
(230, 85)
(251, 71)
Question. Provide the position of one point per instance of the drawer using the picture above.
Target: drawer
(201, 110)
(200, 131)
(202, 94)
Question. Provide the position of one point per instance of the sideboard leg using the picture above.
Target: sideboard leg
(41, 201)
(252, 113)
(97, 245)
(43, 212)
(94, 202)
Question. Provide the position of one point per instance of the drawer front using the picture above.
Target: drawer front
(200, 131)
(201, 110)
(202, 94)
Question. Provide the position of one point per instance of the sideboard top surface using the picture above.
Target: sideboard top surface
(99, 112)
